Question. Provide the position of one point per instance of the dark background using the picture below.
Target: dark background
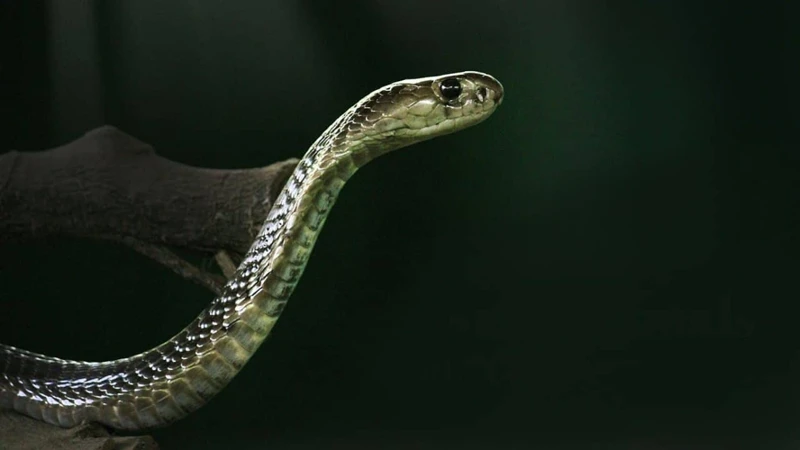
(611, 261)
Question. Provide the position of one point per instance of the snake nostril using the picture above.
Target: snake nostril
(481, 94)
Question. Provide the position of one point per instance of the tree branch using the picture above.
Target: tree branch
(184, 268)
(108, 184)
(20, 432)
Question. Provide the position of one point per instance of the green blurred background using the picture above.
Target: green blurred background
(611, 261)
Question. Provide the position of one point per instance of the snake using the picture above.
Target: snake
(166, 383)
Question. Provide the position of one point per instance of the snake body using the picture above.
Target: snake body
(165, 383)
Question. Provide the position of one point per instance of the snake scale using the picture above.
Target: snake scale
(165, 383)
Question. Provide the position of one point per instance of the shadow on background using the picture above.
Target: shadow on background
(611, 260)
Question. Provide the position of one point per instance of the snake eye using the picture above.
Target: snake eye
(450, 88)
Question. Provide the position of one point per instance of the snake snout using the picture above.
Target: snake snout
(495, 89)
(487, 88)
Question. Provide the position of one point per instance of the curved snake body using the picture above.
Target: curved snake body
(168, 382)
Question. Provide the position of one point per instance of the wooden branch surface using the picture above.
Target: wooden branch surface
(18, 432)
(108, 184)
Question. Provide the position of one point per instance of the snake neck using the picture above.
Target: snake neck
(277, 258)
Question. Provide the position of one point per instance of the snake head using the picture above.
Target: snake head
(415, 110)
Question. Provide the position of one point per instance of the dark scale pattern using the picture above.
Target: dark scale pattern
(167, 382)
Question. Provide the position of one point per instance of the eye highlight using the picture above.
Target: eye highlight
(450, 88)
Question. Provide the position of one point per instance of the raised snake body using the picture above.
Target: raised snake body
(167, 382)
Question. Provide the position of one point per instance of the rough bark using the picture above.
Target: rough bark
(109, 185)
(18, 432)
